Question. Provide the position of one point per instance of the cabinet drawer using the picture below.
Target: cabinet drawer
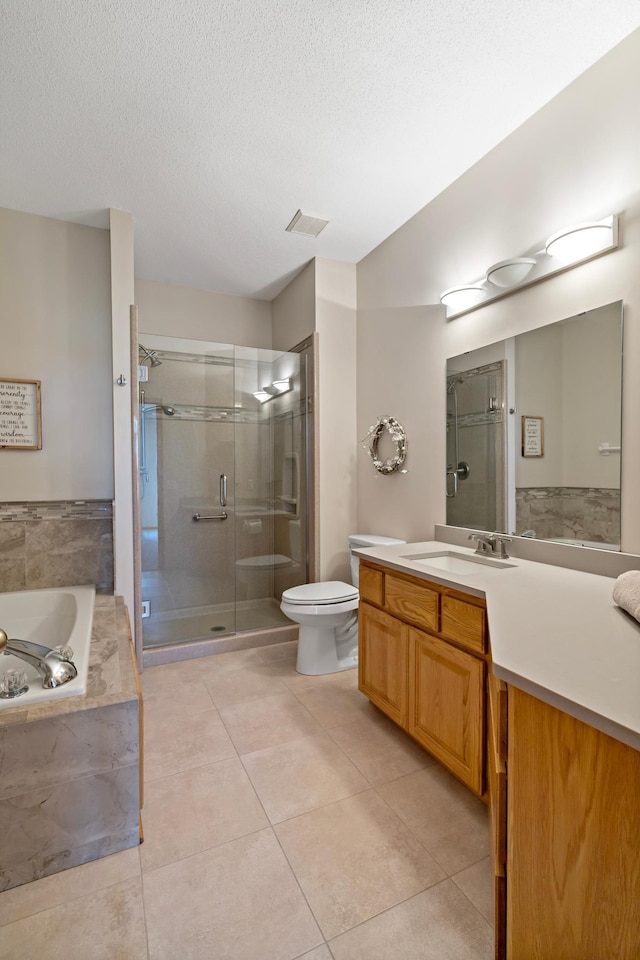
(371, 584)
(411, 601)
(464, 622)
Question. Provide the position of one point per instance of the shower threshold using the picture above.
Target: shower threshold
(212, 623)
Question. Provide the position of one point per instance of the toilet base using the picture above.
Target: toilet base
(323, 650)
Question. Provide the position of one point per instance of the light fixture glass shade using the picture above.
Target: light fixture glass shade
(282, 386)
(262, 396)
(458, 298)
(578, 241)
(509, 272)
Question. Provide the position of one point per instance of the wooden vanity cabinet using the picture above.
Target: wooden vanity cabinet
(422, 661)
(446, 705)
(383, 661)
(573, 836)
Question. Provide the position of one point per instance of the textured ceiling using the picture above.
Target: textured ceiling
(213, 121)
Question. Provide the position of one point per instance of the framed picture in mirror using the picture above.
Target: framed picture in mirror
(532, 436)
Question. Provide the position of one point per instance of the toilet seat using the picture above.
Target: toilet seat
(326, 592)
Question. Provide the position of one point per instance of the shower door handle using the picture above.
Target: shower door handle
(223, 489)
(454, 474)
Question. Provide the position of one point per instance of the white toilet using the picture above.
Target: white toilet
(328, 616)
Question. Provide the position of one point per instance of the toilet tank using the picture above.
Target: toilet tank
(366, 540)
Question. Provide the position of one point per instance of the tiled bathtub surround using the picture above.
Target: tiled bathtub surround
(69, 770)
(583, 513)
(58, 543)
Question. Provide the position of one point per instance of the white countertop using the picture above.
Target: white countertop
(555, 633)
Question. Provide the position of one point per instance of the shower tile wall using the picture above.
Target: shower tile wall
(58, 543)
(583, 513)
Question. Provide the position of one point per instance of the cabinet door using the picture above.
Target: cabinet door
(383, 661)
(573, 835)
(446, 706)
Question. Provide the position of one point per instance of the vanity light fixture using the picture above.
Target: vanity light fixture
(581, 240)
(274, 389)
(462, 297)
(563, 250)
(509, 272)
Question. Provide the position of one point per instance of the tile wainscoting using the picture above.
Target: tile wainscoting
(59, 543)
(583, 513)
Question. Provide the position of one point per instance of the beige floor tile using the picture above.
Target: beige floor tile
(476, 882)
(336, 703)
(380, 749)
(103, 925)
(353, 859)
(173, 744)
(439, 924)
(173, 692)
(285, 669)
(253, 680)
(446, 817)
(320, 953)
(267, 722)
(239, 900)
(61, 887)
(197, 809)
(279, 651)
(205, 667)
(295, 777)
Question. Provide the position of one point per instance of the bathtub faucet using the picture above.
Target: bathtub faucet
(53, 667)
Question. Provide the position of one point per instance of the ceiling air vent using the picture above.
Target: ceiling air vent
(306, 225)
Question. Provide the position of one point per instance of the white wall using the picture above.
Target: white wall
(394, 347)
(539, 393)
(55, 326)
(591, 358)
(336, 321)
(577, 158)
(294, 310)
(173, 310)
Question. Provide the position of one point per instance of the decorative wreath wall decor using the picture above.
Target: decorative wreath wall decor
(397, 433)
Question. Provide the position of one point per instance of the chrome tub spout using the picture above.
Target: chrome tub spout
(54, 668)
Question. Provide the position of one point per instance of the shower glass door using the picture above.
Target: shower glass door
(223, 510)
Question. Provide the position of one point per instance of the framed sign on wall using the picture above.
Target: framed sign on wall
(20, 415)
(532, 436)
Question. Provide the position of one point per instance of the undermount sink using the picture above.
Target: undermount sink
(454, 562)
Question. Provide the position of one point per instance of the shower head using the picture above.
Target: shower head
(454, 383)
(170, 411)
(149, 355)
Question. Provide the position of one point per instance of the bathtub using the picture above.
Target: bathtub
(63, 615)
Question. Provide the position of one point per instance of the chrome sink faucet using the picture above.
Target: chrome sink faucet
(53, 666)
(493, 545)
(483, 544)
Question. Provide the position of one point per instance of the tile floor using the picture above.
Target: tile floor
(284, 817)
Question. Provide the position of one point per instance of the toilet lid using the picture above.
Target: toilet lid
(328, 591)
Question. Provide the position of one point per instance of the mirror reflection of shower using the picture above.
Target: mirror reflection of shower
(475, 446)
(150, 355)
(459, 469)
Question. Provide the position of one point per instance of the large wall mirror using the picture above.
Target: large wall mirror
(533, 432)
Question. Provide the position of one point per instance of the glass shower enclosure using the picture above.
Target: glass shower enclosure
(223, 501)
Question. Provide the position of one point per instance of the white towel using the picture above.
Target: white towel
(626, 592)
